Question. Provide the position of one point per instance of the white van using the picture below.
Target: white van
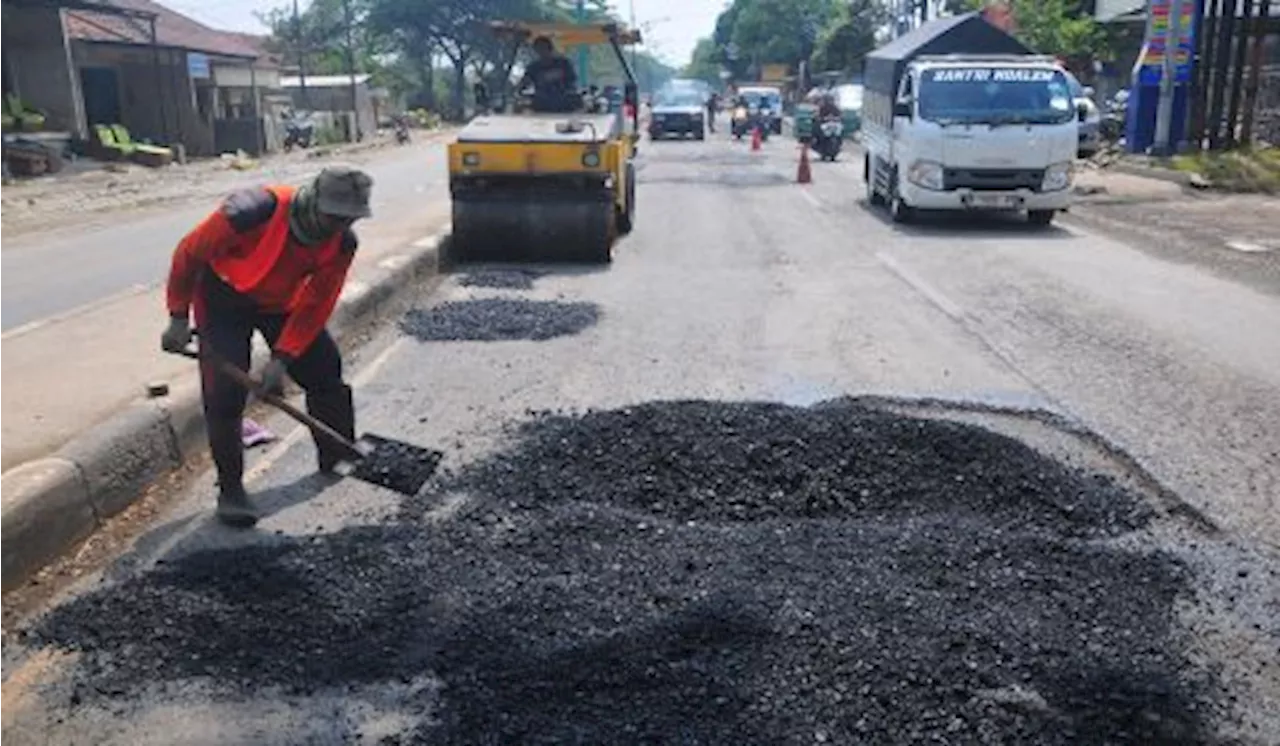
(973, 132)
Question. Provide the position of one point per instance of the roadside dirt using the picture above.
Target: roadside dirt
(1237, 236)
(79, 196)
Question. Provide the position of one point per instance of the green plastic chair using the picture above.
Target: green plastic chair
(107, 139)
(26, 118)
(123, 140)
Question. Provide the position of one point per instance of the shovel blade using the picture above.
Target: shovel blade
(393, 464)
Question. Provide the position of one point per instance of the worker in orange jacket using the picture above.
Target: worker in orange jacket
(274, 260)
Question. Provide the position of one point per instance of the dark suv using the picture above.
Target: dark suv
(680, 114)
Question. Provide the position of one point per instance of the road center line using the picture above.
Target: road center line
(811, 199)
(935, 296)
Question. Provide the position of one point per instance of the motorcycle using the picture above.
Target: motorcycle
(744, 120)
(1113, 118)
(828, 138)
(299, 131)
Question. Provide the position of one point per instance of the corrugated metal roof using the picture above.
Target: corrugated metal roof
(172, 30)
(322, 81)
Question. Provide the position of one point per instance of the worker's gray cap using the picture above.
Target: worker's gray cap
(343, 191)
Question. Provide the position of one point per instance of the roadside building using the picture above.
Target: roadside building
(353, 107)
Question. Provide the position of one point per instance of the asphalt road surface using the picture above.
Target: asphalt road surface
(783, 473)
(48, 273)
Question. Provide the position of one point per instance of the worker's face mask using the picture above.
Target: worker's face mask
(334, 223)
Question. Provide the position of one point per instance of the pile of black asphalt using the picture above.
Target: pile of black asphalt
(506, 279)
(497, 319)
(702, 573)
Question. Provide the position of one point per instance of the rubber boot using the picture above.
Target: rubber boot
(236, 509)
(333, 407)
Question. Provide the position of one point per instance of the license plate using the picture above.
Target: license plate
(993, 201)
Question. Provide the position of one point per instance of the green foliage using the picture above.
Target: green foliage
(704, 63)
(1057, 27)
(402, 42)
(848, 37)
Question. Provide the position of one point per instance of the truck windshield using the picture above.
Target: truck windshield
(994, 95)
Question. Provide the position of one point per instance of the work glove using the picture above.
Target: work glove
(177, 335)
(272, 380)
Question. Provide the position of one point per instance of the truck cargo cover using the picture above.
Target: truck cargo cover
(964, 34)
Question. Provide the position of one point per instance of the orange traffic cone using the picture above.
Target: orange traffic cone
(803, 174)
(755, 138)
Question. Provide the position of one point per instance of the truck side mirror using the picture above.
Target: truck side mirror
(1082, 111)
(902, 109)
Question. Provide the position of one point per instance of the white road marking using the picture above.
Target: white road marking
(394, 262)
(353, 289)
(428, 242)
(935, 296)
(31, 326)
(1249, 247)
(811, 199)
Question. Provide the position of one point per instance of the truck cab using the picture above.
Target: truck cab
(973, 132)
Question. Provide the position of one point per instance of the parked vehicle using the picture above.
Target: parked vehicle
(299, 130)
(983, 124)
(1117, 110)
(1090, 140)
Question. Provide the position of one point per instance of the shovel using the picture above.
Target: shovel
(386, 462)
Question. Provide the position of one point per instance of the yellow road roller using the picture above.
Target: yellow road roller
(530, 184)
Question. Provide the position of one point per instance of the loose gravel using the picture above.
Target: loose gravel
(512, 279)
(498, 319)
(396, 465)
(702, 573)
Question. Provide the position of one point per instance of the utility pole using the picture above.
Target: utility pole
(302, 58)
(351, 70)
(1168, 84)
(583, 72)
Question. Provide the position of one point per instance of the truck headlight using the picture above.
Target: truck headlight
(926, 175)
(471, 159)
(1057, 177)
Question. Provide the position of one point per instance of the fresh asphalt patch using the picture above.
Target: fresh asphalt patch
(499, 319)
(505, 279)
(702, 573)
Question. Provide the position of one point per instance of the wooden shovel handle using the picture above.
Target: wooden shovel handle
(253, 386)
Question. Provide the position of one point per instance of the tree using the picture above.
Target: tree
(704, 63)
(1057, 27)
(849, 36)
(766, 30)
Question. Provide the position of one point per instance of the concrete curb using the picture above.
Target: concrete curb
(50, 504)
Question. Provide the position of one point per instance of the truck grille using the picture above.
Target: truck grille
(992, 179)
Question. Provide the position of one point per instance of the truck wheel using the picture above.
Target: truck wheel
(1041, 217)
(900, 211)
(874, 198)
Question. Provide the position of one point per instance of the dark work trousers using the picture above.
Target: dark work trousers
(226, 320)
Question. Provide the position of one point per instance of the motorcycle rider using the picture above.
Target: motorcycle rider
(827, 107)
(713, 105)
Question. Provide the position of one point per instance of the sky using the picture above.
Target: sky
(670, 27)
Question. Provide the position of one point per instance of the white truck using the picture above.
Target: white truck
(967, 131)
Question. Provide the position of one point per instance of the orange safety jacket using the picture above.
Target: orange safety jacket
(247, 244)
